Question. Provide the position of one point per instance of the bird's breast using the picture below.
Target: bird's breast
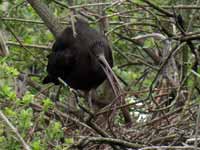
(85, 74)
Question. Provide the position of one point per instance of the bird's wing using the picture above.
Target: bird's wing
(60, 60)
(59, 64)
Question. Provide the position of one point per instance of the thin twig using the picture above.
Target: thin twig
(25, 145)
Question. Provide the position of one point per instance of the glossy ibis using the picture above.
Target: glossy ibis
(82, 61)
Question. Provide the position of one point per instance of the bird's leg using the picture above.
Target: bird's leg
(57, 94)
(85, 109)
(90, 99)
(88, 96)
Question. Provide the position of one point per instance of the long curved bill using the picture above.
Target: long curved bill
(115, 85)
(113, 80)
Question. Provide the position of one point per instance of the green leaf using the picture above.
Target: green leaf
(27, 99)
(54, 131)
(36, 145)
(69, 140)
(10, 112)
(25, 117)
(47, 104)
(7, 92)
(148, 43)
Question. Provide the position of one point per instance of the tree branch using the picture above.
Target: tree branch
(25, 145)
(46, 15)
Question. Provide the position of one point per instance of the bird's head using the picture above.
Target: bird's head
(97, 49)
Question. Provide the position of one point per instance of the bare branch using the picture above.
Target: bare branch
(46, 15)
(25, 145)
(3, 47)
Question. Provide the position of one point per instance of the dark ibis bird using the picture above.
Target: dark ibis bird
(83, 61)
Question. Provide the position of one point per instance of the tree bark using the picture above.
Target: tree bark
(46, 15)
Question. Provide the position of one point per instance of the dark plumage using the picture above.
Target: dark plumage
(74, 59)
(83, 62)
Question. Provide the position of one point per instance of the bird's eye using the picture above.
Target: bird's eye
(48, 56)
